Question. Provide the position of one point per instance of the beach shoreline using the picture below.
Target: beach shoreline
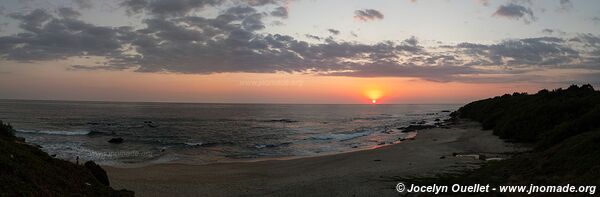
(364, 172)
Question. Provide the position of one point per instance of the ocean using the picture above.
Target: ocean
(209, 133)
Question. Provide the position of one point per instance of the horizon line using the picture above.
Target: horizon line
(231, 103)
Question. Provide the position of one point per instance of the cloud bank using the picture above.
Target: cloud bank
(174, 41)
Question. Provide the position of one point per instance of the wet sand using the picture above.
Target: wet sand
(360, 173)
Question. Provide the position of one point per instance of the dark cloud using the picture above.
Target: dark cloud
(547, 31)
(587, 40)
(174, 8)
(32, 21)
(412, 41)
(543, 51)
(233, 41)
(313, 37)
(392, 69)
(368, 15)
(167, 8)
(514, 11)
(260, 2)
(68, 13)
(48, 38)
(281, 12)
(84, 4)
(229, 43)
(333, 31)
(134, 6)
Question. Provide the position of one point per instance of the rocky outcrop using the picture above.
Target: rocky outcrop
(26, 170)
(98, 172)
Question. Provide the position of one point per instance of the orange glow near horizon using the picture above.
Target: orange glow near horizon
(373, 94)
(54, 81)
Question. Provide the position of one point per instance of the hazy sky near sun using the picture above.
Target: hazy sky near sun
(294, 51)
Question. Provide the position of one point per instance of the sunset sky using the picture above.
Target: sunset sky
(295, 51)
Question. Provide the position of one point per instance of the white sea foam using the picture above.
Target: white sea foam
(194, 143)
(55, 132)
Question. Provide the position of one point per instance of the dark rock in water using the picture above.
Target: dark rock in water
(20, 139)
(411, 128)
(482, 157)
(259, 146)
(152, 125)
(117, 140)
(447, 111)
(377, 160)
(98, 172)
(437, 120)
(53, 155)
(443, 157)
(283, 120)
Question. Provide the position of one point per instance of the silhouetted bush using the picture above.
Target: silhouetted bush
(6, 131)
(547, 117)
(564, 124)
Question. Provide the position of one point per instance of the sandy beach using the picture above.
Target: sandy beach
(360, 173)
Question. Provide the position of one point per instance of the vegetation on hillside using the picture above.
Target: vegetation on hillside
(547, 117)
(563, 125)
(26, 170)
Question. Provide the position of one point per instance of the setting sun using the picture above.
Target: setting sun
(373, 95)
